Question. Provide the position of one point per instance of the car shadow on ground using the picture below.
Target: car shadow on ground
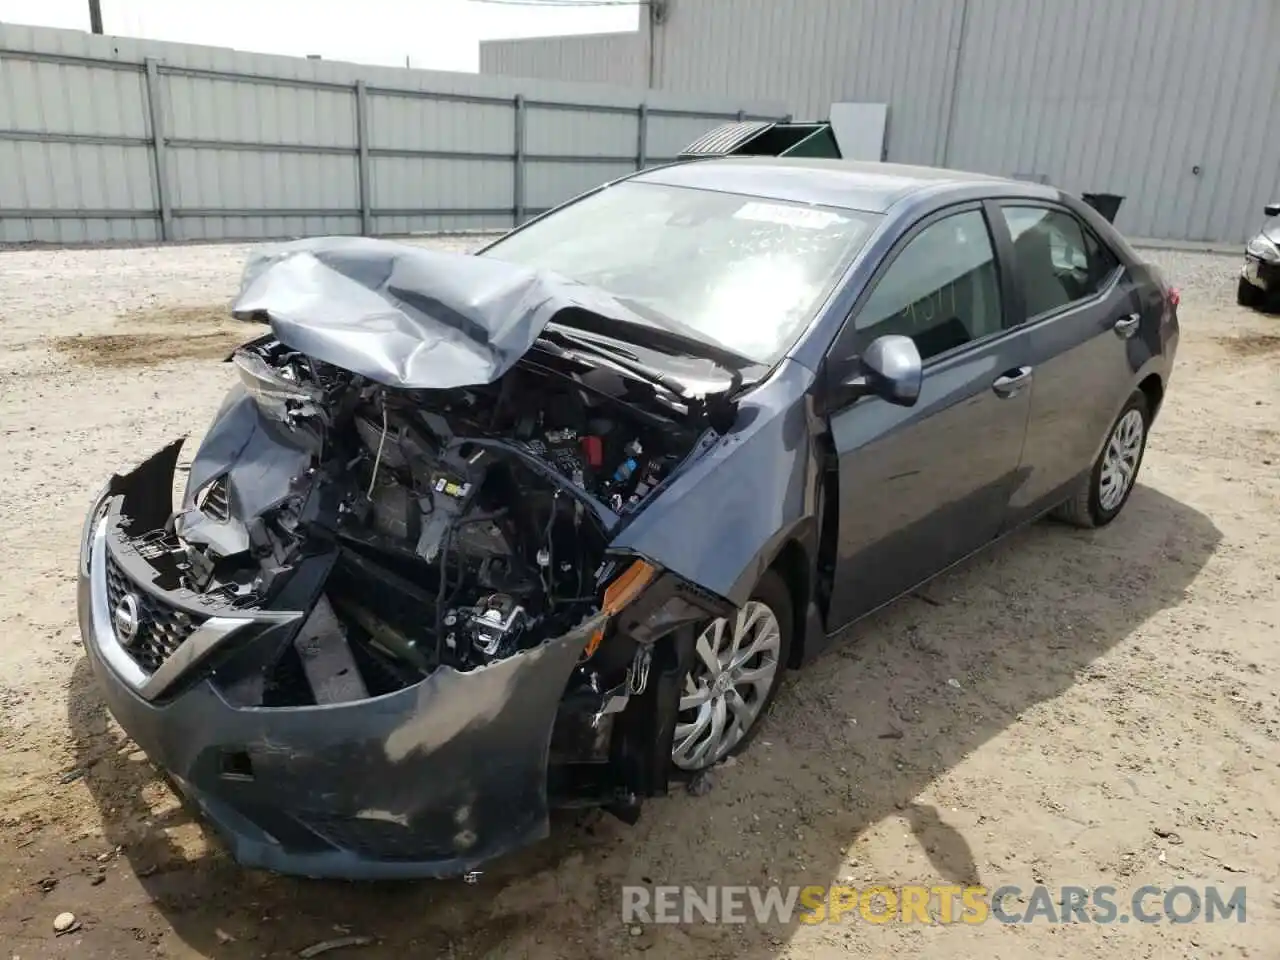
(855, 738)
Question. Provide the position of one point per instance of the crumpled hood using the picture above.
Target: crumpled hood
(402, 315)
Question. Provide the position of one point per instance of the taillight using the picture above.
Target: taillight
(1174, 297)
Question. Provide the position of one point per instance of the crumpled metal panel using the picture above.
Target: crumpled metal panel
(407, 316)
(432, 780)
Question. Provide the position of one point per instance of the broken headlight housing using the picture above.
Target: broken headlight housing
(277, 396)
(1263, 248)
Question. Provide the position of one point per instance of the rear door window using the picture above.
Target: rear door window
(1057, 260)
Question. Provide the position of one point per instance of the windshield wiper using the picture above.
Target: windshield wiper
(719, 409)
(624, 359)
(670, 334)
(711, 348)
(583, 337)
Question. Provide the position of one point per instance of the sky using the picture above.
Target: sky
(432, 34)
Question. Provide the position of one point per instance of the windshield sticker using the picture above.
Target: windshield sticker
(806, 217)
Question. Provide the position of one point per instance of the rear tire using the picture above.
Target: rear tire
(1247, 295)
(1097, 500)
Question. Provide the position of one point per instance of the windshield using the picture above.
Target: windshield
(743, 273)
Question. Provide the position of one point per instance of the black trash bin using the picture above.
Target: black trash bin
(1107, 204)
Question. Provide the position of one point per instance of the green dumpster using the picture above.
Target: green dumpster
(765, 138)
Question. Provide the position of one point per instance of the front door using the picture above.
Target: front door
(921, 487)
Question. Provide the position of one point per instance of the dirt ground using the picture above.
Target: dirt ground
(1070, 708)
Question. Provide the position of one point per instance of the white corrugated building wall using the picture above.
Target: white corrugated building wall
(1170, 103)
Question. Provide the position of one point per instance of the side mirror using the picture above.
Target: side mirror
(1272, 209)
(890, 368)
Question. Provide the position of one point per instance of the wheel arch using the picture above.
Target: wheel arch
(1150, 382)
(1152, 387)
(805, 560)
(794, 564)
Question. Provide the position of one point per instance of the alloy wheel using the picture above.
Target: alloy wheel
(736, 661)
(1120, 460)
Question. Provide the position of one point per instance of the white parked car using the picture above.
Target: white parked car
(1260, 276)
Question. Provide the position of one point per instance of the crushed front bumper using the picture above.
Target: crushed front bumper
(429, 781)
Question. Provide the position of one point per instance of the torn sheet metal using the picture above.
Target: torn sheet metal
(431, 780)
(259, 464)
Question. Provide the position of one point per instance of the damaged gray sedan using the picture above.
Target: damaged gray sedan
(475, 537)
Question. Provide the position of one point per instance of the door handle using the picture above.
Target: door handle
(1011, 383)
(1126, 327)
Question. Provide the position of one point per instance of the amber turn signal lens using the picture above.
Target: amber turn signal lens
(627, 586)
(593, 644)
(618, 594)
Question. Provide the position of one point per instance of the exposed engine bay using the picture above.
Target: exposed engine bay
(432, 572)
(460, 526)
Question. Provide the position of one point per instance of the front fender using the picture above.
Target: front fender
(724, 519)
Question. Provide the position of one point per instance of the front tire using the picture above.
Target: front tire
(737, 670)
(1247, 295)
(1102, 495)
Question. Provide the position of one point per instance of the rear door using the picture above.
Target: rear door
(921, 487)
(1080, 313)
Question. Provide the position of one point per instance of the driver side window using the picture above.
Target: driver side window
(942, 289)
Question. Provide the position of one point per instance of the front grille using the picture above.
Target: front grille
(388, 840)
(213, 502)
(161, 629)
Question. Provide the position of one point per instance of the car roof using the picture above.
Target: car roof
(848, 184)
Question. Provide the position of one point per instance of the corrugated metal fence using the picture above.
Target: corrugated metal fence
(1171, 103)
(108, 139)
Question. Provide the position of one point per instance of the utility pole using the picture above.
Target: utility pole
(95, 16)
(655, 13)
